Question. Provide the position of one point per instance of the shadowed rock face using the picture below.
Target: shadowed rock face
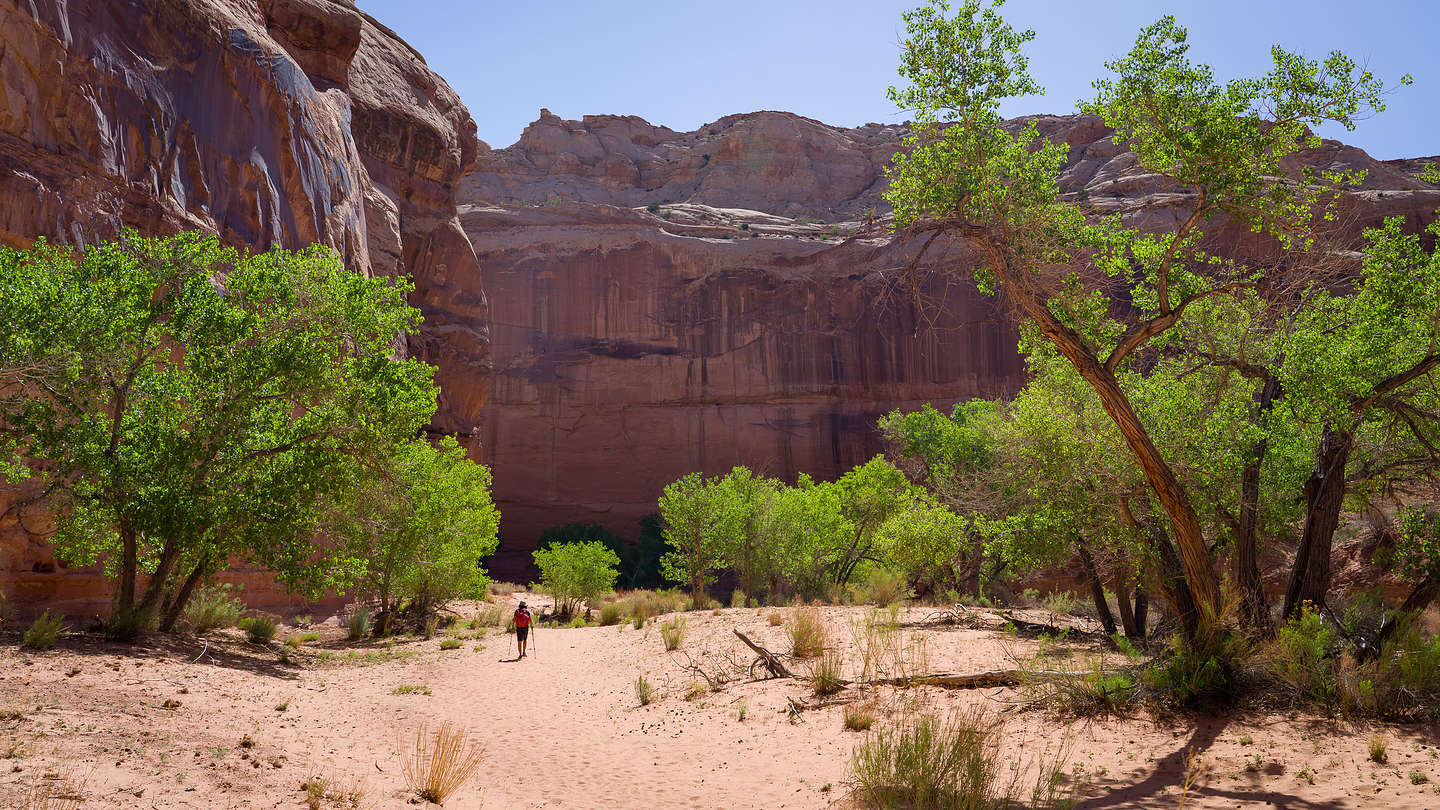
(752, 317)
(282, 122)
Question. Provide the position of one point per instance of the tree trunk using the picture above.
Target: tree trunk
(1171, 575)
(1122, 600)
(1142, 613)
(169, 555)
(1198, 575)
(129, 568)
(177, 606)
(1325, 498)
(1097, 590)
(1254, 611)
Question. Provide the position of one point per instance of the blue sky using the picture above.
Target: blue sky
(685, 63)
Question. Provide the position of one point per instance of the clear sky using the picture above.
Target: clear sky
(684, 63)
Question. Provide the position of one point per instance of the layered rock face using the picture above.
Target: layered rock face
(666, 302)
(282, 122)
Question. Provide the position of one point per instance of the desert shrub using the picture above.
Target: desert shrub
(695, 690)
(673, 632)
(737, 598)
(881, 587)
(357, 625)
(578, 621)
(1379, 748)
(611, 613)
(825, 674)
(436, 765)
(42, 633)
(411, 689)
(1303, 656)
(1062, 602)
(1085, 691)
(807, 633)
(653, 207)
(859, 716)
(213, 607)
(576, 572)
(505, 588)
(637, 621)
(644, 691)
(775, 619)
(259, 629)
(950, 763)
(1200, 670)
(1401, 682)
(321, 791)
(450, 644)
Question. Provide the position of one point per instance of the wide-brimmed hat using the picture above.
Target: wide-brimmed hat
(522, 604)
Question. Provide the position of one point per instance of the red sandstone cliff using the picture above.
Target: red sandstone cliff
(749, 318)
(282, 122)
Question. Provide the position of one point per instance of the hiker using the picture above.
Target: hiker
(522, 627)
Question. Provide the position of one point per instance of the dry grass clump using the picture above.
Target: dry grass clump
(212, 608)
(490, 616)
(450, 644)
(642, 605)
(438, 764)
(775, 619)
(611, 613)
(321, 791)
(644, 691)
(42, 633)
(859, 716)
(695, 690)
(825, 674)
(53, 794)
(673, 632)
(953, 763)
(410, 689)
(1379, 748)
(505, 588)
(357, 625)
(808, 638)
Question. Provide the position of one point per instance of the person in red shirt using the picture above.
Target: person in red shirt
(522, 627)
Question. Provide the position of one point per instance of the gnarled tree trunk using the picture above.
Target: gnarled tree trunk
(1254, 611)
(1324, 500)
(1097, 590)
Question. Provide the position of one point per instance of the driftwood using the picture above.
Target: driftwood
(772, 662)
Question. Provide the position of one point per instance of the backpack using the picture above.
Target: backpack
(522, 617)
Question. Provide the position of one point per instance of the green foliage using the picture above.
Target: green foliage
(1304, 655)
(185, 404)
(414, 528)
(43, 632)
(639, 562)
(213, 607)
(698, 517)
(611, 613)
(574, 573)
(258, 629)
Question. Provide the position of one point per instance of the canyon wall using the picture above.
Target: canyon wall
(665, 301)
(270, 123)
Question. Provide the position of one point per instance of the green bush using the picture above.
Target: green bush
(213, 607)
(1304, 655)
(450, 644)
(42, 633)
(644, 691)
(737, 598)
(357, 625)
(950, 763)
(611, 613)
(1192, 673)
(576, 572)
(259, 629)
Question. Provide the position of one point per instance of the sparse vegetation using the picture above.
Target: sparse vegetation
(672, 631)
(213, 607)
(357, 624)
(450, 644)
(43, 632)
(859, 716)
(825, 673)
(808, 638)
(410, 689)
(258, 629)
(1379, 748)
(437, 764)
(644, 691)
(611, 613)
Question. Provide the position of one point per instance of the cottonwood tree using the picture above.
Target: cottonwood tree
(698, 516)
(1100, 292)
(177, 403)
(412, 530)
(574, 573)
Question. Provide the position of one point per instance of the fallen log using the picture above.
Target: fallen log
(773, 664)
(956, 680)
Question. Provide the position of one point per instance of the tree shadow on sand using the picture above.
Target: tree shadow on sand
(1156, 790)
(224, 653)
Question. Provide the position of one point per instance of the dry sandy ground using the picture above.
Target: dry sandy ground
(563, 728)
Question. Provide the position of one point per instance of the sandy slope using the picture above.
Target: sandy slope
(563, 729)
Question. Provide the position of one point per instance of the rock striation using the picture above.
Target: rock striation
(270, 123)
(665, 301)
